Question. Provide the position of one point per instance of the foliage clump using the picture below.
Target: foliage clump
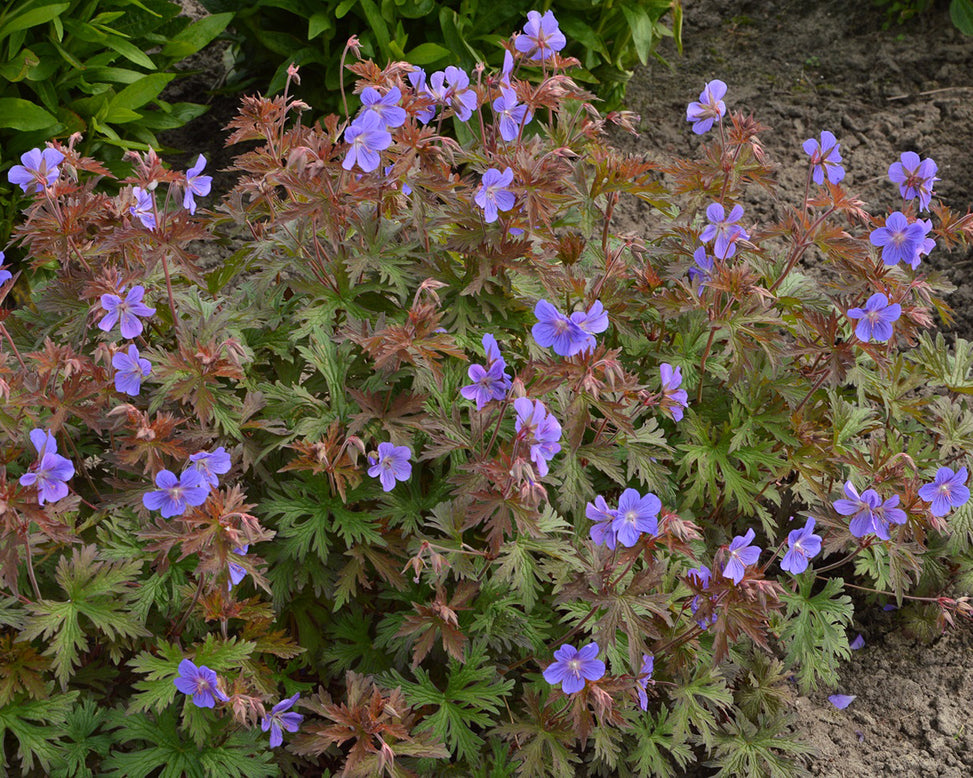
(437, 470)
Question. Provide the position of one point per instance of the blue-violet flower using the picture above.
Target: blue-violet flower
(572, 667)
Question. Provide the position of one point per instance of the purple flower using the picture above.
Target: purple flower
(39, 168)
(825, 158)
(554, 329)
(927, 244)
(392, 465)
(5, 275)
(636, 514)
(947, 491)
(52, 471)
(709, 109)
(701, 577)
(535, 423)
(886, 514)
(542, 36)
(493, 195)
(130, 370)
(196, 184)
(237, 572)
(490, 382)
(842, 701)
(724, 229)
(915, 178)
(174, 495)
(602, 531)
(386, 107)
(591, 322)
(674, 399)
(210, 465)
(200, 682)
(573, 667)
(143, 208)
(128, 311)
(861, 507)
(512, 115)
(741, 556)
(876, 318)
(418, 80)
(367, 136)
(858, 642)
(451, 87)
(900, 240)
(642, 681)
(803, 545)
(507, 69)
(704, 263)
(278, 720)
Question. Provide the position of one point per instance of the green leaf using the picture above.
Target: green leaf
(37, 726)
(961, 14)
(32, 18)
(427, 54)
(474, 696)
(814, 631)
(23, 115)
(130, 51)
(137, 94)
(97, 592)
(196, 36)
(640, 26)
(318, 23)
(376, 23)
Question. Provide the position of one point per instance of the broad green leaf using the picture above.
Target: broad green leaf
(641, 28)
(961, 14)
(130, 51)
(196, 36)
(318, 23)
(32, 18)
(23, 115)
(142, 91)
(427, 53)
(18, 67)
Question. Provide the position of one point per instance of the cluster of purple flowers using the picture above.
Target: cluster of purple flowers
(191, 488)
(870, 514)
(540, 429)
(490, 382)
(130, 367)
(391, 465)
(635, 514)
(203, 685)
(875, 319)
(572, 667)
(568, 335)
(724, 229)
(51, 472)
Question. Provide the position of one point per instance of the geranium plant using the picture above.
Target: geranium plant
(437, 470)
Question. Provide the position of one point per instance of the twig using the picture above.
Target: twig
(930, 92)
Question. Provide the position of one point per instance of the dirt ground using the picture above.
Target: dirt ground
(803, 66)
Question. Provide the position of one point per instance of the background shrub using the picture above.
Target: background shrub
(608, 38)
